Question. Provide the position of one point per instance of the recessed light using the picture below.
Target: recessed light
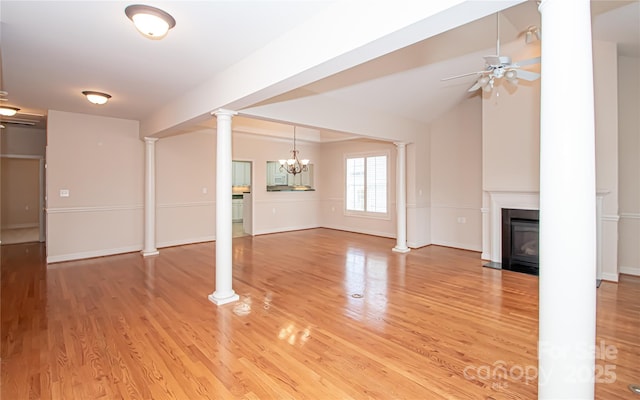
(96, 97)
(152, 22)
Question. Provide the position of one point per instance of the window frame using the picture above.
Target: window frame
(367, 214)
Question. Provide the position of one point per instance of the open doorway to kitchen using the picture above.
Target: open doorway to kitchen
(242, 199)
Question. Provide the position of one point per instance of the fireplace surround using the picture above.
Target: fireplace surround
(493, 203)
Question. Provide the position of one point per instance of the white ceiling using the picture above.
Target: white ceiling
(53, 50)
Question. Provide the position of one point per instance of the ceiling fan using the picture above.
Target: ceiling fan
(497, 66)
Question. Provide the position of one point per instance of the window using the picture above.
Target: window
(366, 180)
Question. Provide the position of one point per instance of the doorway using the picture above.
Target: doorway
(22, 198)
(242, 199)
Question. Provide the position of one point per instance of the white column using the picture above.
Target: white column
(223, 293)
(150, 197)
(566, 347)
(401, 198)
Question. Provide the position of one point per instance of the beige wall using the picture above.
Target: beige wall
(23, 141)
(511, 132)
(20, 142)
(20, 192)
(419, 191)
(185, 170)
(456, 177)
(510, 124)
(279, 211)
(605, 76)
(101, 162)
(629, 164)
(332, 207)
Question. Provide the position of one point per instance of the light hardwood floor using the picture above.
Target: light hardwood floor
(323, 314)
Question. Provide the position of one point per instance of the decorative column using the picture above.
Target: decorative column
(401, 198)
(224, 236)
(150, 197)
(567, 285)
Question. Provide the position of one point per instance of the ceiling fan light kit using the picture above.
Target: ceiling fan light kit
(497, 66)
(8, 111)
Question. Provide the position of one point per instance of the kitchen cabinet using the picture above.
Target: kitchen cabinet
(241, 173)
(237, 210)
(274, 175)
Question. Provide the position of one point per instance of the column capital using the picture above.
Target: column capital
(401, 144)
(150, 139)
(221, 112)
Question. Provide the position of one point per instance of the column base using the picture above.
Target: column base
(225, 300)
(147, 253)
(401, 249)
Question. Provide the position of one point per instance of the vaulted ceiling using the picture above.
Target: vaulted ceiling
(52, 50)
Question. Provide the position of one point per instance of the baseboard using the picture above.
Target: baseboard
(363, 231)
(607, 276)
(630, 270)
(182, 242)
(463, 246)
(285, 229)
(415, 245)
(92, 254)
(20, 226)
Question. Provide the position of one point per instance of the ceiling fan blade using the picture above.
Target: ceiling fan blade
(461, 76)
(475, 86)
(530, 61)
(527, 75)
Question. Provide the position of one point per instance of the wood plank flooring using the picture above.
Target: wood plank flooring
(323, 314)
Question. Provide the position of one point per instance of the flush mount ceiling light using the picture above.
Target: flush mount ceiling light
(96, 97)
(150, 21)
(7, 111)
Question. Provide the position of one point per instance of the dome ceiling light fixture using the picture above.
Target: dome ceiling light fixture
(8, 111)
(96, 97)
(152, 22)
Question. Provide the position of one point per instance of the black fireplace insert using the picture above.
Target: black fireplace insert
(520, 238)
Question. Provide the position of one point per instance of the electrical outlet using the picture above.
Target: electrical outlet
(64, 192)
(462, 220)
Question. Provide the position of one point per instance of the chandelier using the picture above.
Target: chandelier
(294, 165)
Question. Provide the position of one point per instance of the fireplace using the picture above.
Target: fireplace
(520, 235)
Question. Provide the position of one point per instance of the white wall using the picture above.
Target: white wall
(456, 177)
(332, 207)
(629, 164)
(101, 162)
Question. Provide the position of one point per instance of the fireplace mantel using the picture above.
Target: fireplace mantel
(525, 200)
